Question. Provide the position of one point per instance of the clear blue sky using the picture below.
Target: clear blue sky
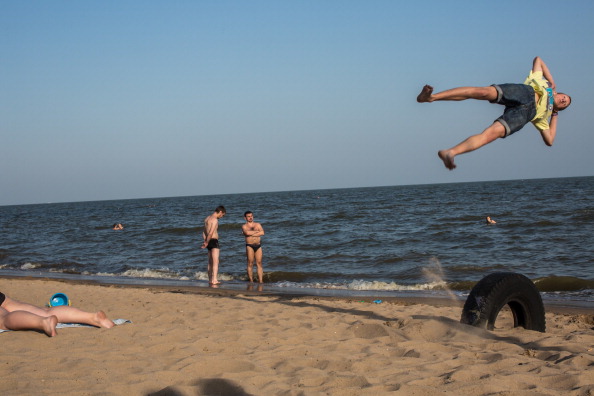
(131, 99)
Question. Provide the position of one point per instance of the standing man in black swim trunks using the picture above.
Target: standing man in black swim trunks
(253, 247)
(211, 242)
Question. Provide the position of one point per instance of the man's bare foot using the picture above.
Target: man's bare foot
(447, 158)
(49, 325)
(425, 95)
(101, 320)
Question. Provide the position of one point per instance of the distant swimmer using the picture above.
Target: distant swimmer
(490, 221)
(211, 242)
(253, 247)
(117, 226)
(536, 101)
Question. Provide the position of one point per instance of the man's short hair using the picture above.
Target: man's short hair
(220, 209)
(247, 213)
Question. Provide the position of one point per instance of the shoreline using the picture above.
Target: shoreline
(443, 299)
(202, 341)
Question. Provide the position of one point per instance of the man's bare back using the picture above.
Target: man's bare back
(211, 229)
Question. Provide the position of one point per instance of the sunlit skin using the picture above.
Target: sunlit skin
(211, 225)
(17, 315)
(562, 101)
(253, 232)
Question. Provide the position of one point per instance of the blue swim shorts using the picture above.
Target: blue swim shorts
(520, 106)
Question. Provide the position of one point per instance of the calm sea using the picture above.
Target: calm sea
(383, 240)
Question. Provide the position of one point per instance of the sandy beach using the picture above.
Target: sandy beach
(213, 342)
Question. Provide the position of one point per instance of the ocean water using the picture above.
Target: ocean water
(387, 240)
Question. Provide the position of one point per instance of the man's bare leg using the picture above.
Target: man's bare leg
(67, 314)
(23, 320)
(496, 130)
(64, 313)
(214, 267)
(209, 271)
(250, 263)
(259, 265)
(461, 93)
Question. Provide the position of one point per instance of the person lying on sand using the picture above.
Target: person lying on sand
(16, 315)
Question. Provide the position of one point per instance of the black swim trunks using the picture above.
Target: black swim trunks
(2, 298)
(254, 246)
(213, 244)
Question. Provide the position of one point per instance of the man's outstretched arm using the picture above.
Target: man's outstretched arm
(548, 135)
(539, 65)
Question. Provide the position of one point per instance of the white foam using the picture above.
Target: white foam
(162, 273)
(28, 266)
(361, 285)
(200, 275)
(393, 286)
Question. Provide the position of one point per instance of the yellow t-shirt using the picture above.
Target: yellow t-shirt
(544, 106)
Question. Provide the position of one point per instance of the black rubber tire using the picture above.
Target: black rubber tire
(495, 291)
